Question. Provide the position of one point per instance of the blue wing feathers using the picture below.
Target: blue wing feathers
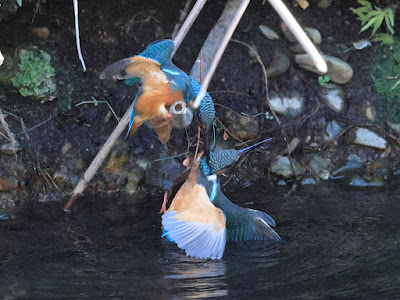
(197, 239)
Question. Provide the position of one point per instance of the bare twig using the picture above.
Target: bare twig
(100, 157)
(36, 11)
(94, 103)
(300, 35)
(36, 126)
(78, 43)
(187, 24)
(24, 128)
(217, 57)
(182, 17)
(8, 132)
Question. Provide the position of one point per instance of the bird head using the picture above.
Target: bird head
(159, 51)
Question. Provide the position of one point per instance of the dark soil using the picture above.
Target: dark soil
(112, 30)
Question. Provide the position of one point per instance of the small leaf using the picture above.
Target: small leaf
(379, 20)
(395, 85)
(390, 16)
(369, 24)
(19, 2)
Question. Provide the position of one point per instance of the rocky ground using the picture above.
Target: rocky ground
(322, 131)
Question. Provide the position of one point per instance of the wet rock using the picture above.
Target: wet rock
(162, 173)
(42, 32)
(394, 126)
(8, 183)
(333, 129)
(320, 166)
(292, 104)
(353, 164)
(287, 168)
(334, 97)
(359, 181)
(66, 148)
(242, 127)
(338, 70)
(370, 113)
(12, 174)
(292, 146)
(64, 179)
(10, 148)
(8, 205)
(366, 137)
(314, 35)
(135, 177)
(268, 32)
(324, 3)
(297, 49)
(279, 65)
(287, 33)
(309, 181)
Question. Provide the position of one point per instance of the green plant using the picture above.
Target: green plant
(385, 73)
(374, 17)
(323, 80)
(36, 76)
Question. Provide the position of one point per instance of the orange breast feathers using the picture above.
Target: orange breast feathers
(194, 223)
(157, 95)
(193, 205)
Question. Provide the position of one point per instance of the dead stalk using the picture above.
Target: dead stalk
(8, 132)
(182, 18)
(78, 42)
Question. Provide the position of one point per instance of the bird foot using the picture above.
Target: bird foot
(164, 204)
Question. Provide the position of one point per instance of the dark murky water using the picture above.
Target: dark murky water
(338, 244)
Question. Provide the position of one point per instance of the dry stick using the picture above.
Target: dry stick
(78, 43)
(291, 23)
(106, 148)
(187, 24)
(300, 35)
(182, 18)
(217, 57)
(100, 157)
(8, 131)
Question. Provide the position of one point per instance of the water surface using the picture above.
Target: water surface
(339, 244)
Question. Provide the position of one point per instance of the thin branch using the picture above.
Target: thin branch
(78, 43)
(180, 36)
(300, 35)
(94, 103)
(8, 132)
(217, 57)
(98, 160)
(36, 126)
(182, 17)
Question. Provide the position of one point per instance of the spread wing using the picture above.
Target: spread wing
(195, 224)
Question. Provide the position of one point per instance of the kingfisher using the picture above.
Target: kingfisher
(201, 218)
(162, 84)
(221, 158)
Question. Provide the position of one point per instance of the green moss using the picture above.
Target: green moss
(385, 72)
(36, 76)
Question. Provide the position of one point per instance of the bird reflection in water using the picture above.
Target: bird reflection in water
(194, 278)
